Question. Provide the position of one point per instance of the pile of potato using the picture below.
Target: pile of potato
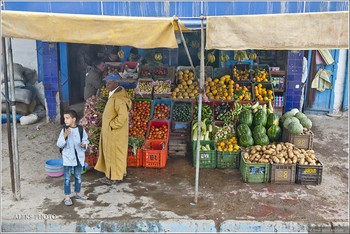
(280, 153)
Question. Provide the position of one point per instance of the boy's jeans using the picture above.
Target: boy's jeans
(77, 178)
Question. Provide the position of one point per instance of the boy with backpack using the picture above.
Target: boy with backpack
(73, 142)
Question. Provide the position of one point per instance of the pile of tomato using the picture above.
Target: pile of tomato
(157, 133)
(161, 111)
(139, 119)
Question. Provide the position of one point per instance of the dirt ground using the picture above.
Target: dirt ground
(167, 193)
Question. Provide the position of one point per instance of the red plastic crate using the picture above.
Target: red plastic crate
(155, 153)
(157, 124)
(134, 160)
(91, 159)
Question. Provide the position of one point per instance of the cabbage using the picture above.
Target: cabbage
(300, 115)
(295, 128)
(306, 123)
(294, 111)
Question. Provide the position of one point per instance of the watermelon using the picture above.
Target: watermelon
(261, 139)
(245, 117)
(272, 119)
(274, 133)
(295, 128)
(306, 122)
(259, 129)
(243, 129)
(260, 118)
(246, 140)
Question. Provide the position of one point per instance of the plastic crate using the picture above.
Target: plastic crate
(207, 159)
(155, 153)
(146, 71)
(134, 160)
(144, 100)
(164, 75)
(221, 71)
(91, 159)
(282, 173)
(218, 103)
(208, 71)
(181, 125)
(254, 172)
(182, 68)
(300, 141)
(242, 67)
(165, 102)
(156, 95)
(158, 123)
(246, 84)
(128, 85)
(309, 174)
(139, 94)
(226, 159)
(268, 86)
(265, 67)
(210, 104)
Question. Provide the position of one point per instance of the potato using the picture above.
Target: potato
(253, 151)
(278, 147)
(252, 157)
(263, 148)
(290, 154)
(245, 155)
(276, 160)
(282, 160)
(273, 146)
(301, 161)
(289, 161)
(295, 159)
(309, 159)
(262, 160)
(311, 151)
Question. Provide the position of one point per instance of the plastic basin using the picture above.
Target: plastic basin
(83, 171)
(56, 174)
(54, 163)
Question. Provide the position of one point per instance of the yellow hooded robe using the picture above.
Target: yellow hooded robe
(113, 146)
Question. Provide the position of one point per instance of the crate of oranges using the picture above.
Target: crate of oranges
(241, 72)
(261, 73)
(264, 92)
(221, 88)
(243, 91)
(228, 153)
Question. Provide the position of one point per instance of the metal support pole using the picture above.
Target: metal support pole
(185, 44)
(8, 122)
(201, 82)
(17, 195)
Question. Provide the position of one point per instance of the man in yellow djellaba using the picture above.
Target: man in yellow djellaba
(113, 146)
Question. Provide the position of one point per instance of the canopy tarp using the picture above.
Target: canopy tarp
(140, 32)
(303, 31)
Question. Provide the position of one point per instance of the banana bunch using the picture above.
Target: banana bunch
(158, 56)
(121, 54)
(211, 57)
(224, 57)
(206, 129)
(252, 55)
(240, 55)
(195, 44)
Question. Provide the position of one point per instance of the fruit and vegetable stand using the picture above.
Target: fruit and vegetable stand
(239, 129)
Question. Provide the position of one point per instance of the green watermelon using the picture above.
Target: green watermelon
(259, 129)
(243, 129)
(246, 140)
(272, 119)
(274, 133)
(245, 117)
(261, 139)
(260, 118)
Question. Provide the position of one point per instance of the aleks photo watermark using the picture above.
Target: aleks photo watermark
(35, 216)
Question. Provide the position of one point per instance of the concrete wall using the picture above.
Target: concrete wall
(24, 52)
(339, 82)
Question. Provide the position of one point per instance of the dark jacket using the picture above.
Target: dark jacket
(93, 82)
